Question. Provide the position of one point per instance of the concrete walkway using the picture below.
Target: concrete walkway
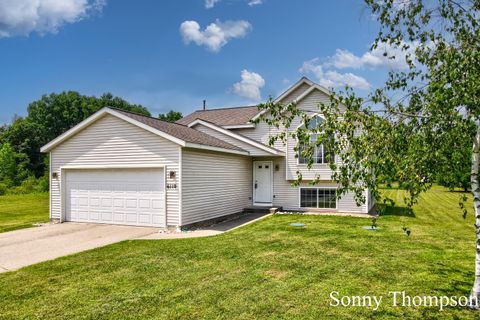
(25, 247)
(210, 230)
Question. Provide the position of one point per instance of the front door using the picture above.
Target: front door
(262, 182)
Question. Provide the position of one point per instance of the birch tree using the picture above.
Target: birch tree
(407, 130)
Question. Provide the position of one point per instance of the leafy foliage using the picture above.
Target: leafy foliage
(418, 126)
(47, 118)
(456, 159)
(171, 116)
(56, 113)
(12, 165)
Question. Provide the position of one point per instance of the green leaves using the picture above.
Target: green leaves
(171, 116)
(12, 165)
(49, 117)
(416, 129)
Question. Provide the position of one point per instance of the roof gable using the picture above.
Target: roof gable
(295, 90)
(237, 136)
(179, 134)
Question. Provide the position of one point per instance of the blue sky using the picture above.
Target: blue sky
(158, 53)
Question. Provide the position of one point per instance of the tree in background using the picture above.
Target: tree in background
(49, 117)
(26, 137)
(422, 118)
(171, 116)
(12, 165)
(56, 113)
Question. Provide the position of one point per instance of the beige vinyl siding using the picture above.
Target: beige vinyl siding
(214, 185)
(111, 141)
(295, 93)
(288, 197)
(254, 151)
(371, 200)
(262, 133)
(309, 103)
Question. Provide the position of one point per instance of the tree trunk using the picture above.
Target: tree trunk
(475, 293)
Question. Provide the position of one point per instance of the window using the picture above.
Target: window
(322, 198)
(320, 154)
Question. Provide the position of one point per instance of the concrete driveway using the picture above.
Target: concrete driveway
(28, 246)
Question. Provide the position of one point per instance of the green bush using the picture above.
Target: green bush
(3, 189)
(30, 185)
(43, 184)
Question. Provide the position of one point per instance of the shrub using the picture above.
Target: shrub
(30, 185)
(43, 184)
(3, 189)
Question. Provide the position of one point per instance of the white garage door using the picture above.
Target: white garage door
(116, 196)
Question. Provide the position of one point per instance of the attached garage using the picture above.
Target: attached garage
(116, 196)
(118, 167)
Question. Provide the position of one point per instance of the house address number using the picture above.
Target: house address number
(171, 186)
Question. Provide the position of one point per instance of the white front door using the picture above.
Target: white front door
(262, 182)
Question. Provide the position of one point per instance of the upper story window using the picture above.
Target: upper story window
(321, 155)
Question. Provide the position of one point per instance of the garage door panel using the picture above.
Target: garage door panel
(157, 204)
(106, 202)
(94, 216)
(120, 196)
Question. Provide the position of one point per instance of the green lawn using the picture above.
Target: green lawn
(265, 270)
(22, 211)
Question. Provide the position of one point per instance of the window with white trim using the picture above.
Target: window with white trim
(321, 198)
(321, 155)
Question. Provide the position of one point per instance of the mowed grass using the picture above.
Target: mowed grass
(265, 270)
(22, 211)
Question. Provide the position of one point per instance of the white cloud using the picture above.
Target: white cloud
(252, 3)
(326, 69)
(250, 85)
(373, 59)
(210, 3)
(332, 78)
(22, 17)
(215, 35)
(336, 79)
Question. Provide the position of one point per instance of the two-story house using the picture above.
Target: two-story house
(118, 167)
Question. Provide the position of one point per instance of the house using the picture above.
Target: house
(118, 167)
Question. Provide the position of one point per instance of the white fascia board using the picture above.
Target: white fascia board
(300, 97)
(286, 93)
(310, 90)
(218, 149)
(147, 127)
(292, 88)
(240, 126)
(79, 127)
(99, 114)
(236, 136)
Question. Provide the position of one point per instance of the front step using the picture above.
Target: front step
(259, 209)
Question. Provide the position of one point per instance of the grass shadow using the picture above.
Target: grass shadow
(386, 210)
(457, 191)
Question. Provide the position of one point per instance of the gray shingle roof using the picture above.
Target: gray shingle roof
(180, 131)
(222, 117)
